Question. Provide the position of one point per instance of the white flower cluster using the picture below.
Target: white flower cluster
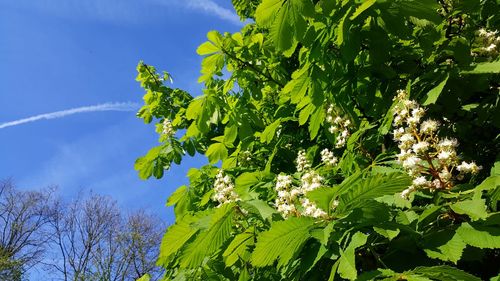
(338, 126)
(289, 196)
(328, 158)
(310, 180)
(245, 157)
(490, 40)
(224, 189)
(168, 129)
(311, 210)
(302, 162)
(430, 160)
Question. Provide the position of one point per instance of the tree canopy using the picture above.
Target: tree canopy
(345, 140)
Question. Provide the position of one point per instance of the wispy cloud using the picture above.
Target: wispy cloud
(126, 11)
(128, 106)
(210, 7)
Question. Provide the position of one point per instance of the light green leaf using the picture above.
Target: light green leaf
(443, 273)
(298, 86)
(174, 239)
(361, 8)
(316, 120)
(433, 95)
(239, 247)
(474, 208)
(259, 207)
(268, 134)
(266, 12)
(445, 245)
(207, 48)
(177, 195)
(206, 243)
(373, 187)
(347, 265)
(215, 152)
(480, 236)
(485, 67)
(388, 231)
(282, 242)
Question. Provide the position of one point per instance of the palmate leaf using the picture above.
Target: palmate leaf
(174, 239)
(480, 236)
(372, 187)
(433, 95)
(347, 261)
(443, 273)
(282, 242)
(474, 208)
(208, 242)
(285, 18)
(239, 247)
(446, 245)
(485, 67)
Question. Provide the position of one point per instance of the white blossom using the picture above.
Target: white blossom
(224, 189)
(421, 181)
(311, 210)
(168, 129)
(411, 162)
(447, 144)
(310, 181)
(471, 167)
(429, 127)
(337, 125)
(328, 158)
(302, 162)
(420, 147)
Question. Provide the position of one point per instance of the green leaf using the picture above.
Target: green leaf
(266, 12)
(373, 187)
(361, 8)
(316, 120)
(282, 242)
(206, 243)
(230, 134)
(177, 195)
(215, 152)
(388, 231)
(259, 207)
(322, 197)
(207, 48)
(174, 239)
(299, 84)
(347, 265)
(422, 9)
(285, 19)
(480, 236)
(445, 245)
(485, 67)
(239, 248)
(268, 134)
(248, 179)
(474, 208)
(433, 95)
(444, 273)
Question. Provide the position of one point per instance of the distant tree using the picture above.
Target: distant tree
(79, 228)
(94, 241)
(24, 217)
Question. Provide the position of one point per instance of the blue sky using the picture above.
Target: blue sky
(62, 54)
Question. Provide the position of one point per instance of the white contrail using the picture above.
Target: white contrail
(118, 106)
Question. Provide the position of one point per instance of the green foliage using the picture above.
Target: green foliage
(275, 88)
